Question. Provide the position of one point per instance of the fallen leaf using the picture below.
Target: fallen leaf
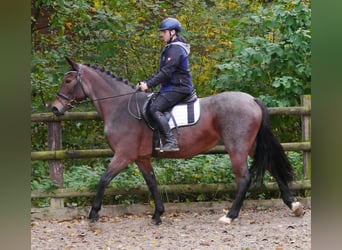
(96, 231)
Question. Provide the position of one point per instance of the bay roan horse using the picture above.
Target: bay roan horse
(236, 119)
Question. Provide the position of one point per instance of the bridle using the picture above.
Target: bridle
(72, 102)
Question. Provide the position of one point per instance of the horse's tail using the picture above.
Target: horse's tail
(269, 154)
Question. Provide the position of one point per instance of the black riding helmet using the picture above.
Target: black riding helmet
(170, 24)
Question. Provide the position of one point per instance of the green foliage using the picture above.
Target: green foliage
(40, 181)
(83, 177)
(200, 169)
(296, 159)
(272, 61)
(40, 177)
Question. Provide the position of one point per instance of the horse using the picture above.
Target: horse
(236, 119)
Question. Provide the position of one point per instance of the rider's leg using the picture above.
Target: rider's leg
(164, 128)
(162, 103)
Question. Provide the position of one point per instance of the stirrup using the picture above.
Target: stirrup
(158, 145)
(169, 147)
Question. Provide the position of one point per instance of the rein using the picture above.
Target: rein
(138, 116)
(105, 98)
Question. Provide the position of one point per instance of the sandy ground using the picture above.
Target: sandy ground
(272, 228)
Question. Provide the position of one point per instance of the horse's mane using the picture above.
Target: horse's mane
(110, 74)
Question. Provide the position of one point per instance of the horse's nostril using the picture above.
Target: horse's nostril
(56, 111)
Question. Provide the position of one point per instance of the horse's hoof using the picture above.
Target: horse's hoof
(297, 209)
(226, 220)
(93, 217)
(156, 222)
(93, 220)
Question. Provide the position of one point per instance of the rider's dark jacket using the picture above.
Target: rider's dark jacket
(174, 72)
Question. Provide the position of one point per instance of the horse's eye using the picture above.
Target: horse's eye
(68, 81)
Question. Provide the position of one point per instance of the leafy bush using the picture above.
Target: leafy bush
(272, 60)
(200, 169)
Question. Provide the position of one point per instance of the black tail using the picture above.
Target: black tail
(269, 154)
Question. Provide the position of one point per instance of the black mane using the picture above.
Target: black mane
(110, 74)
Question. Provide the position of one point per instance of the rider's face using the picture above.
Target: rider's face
(165, 35)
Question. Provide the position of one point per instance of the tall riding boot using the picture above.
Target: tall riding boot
(164, 128)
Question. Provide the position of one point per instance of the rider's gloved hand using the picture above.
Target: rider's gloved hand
(142, 86)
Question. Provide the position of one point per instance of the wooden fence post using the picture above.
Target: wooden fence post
(306, 136)
(56, 168)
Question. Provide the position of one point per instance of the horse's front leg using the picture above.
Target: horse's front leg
(114, 168)
(146, 169)
(243, 183)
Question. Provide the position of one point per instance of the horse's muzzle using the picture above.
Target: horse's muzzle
(56, 111)
(58, 108)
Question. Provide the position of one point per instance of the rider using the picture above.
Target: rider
(174, 77)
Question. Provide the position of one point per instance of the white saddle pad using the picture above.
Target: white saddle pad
(185, 114)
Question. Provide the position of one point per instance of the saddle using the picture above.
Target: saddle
(185, 113)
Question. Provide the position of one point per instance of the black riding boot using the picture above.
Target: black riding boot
(164, 128)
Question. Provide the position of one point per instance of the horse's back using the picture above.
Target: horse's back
(233, 102)
(229, 96)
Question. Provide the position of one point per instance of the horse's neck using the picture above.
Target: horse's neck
(106, 97)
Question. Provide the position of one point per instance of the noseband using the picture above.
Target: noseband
(72, 102)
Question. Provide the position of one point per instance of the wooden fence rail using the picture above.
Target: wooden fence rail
(55, 153)
(98, 153)
(213, 188)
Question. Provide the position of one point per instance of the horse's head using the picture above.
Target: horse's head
(71, 90)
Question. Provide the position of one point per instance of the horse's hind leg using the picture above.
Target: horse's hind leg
(146, 169)
(243, 181)
(288, 198)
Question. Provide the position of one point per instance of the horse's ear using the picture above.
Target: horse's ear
(73, 65)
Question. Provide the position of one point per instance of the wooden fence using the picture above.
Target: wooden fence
(55, 154)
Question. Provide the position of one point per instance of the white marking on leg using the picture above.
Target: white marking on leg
(226, 220)
(297, 208)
